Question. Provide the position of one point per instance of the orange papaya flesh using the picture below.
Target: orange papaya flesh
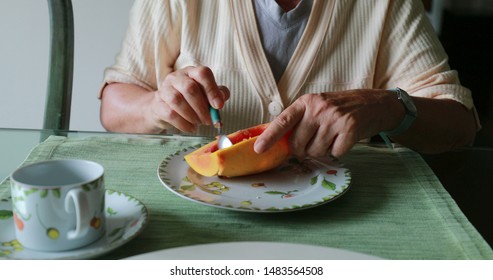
(239, 159)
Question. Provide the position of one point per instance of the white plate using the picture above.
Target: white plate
(253, 251)
(125, 218)
(292, 186)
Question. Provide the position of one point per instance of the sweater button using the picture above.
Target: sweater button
(275, 108)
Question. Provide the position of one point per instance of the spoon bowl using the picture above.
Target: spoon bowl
(222, 140)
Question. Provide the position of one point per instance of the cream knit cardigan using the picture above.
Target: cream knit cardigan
(347, 44)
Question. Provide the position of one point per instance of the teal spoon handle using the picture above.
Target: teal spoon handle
(216, 118)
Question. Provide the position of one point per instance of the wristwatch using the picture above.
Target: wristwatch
(409, 118)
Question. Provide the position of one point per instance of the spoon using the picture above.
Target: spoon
(222, 140)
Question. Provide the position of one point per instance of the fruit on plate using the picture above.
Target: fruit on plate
(239, 159)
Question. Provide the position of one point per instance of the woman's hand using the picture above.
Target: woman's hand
(331, 123)
(183, 99)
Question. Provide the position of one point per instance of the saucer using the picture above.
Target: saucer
(125, 218)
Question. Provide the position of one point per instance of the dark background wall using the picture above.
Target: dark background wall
(467, 36)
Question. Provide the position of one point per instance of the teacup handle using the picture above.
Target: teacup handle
(82, 214)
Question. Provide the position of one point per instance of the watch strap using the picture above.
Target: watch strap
(408, 120)
(402, 127)
(405, 124)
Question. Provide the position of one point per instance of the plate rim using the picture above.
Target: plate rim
(231, 245)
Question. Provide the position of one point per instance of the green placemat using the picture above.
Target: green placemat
(396, 208)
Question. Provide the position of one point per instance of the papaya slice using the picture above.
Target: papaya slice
(239, 159)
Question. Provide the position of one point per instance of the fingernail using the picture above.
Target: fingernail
(223, 93)
(216, 103)
(258, 147)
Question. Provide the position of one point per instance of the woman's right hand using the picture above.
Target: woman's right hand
(182, 100)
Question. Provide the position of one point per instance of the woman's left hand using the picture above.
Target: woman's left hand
(331, 123)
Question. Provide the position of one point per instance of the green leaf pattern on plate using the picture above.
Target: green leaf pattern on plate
(215, 188)
(328, 185)
(325, 183)
(287, 194)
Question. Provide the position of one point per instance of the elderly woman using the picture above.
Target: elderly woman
(333, 72)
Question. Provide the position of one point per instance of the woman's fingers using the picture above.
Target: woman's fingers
(279, 127)
(187, 93)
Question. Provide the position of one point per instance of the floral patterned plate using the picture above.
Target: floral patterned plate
(125, 219)
(295, 185)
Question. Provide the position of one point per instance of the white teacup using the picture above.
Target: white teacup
(58, 204)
